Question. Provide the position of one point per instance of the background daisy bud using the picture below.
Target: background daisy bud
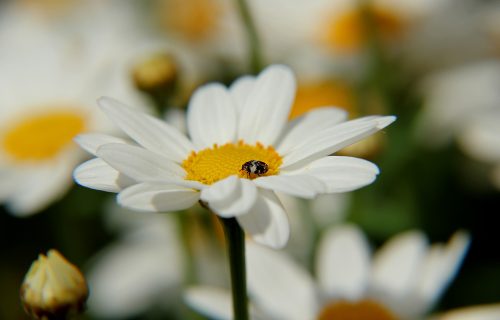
(155, 73)
(53, 288)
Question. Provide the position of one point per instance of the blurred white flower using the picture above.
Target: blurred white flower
(320, 29)
(209, 30)
(404, 279)
(51, 75)
(464, 104)
(241, 150)
(144, 268)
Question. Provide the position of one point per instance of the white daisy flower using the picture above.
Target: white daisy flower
(139, 270)
(240, 152)
(403, 280)
(48, 85)
(334, 27)
(464, 104)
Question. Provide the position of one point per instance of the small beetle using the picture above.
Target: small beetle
(255, 167)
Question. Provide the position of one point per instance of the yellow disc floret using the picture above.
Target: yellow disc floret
(213, 164)
(41, 136)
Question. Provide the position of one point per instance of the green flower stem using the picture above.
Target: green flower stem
(252, 35)
(235, 239)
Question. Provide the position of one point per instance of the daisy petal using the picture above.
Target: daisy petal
(240, 90)
(128, 276)
(140, 164)
(97, 174)
(343, 264)
(230, 197)
(342, 174)
(267, 221)
(212, 302)
(148, 131)
(90, 142)
(299, 185)
(158, 197)
(396, 264)
(299, 130)
(280, 287)
(482, 312)
(267, 107)
(333, 139)
(211, 116)
(40, 188)
(440, 267)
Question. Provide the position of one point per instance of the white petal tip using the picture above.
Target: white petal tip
(385, 121)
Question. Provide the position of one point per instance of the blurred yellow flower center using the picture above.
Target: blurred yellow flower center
(346, 32)
(42, 136)
(193, 19)
(364, 309)
(323, 93)
(48, 7)
(213, 164)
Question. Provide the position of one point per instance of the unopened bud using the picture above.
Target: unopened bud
(53, 288)
(157, 73)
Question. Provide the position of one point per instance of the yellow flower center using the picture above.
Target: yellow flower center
(193, 19)
(346, 32)
(213, 164)
(364, 309)
(42, 136)
(322, 93)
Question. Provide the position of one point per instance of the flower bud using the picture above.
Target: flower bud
(53, 288)
(156, 73)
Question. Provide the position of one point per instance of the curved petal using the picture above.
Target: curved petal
(230, 197)
(341, 174)
(97, 174)
(481, 312)
(158, 197)
(90, 142)
(299, 185)
(211, 116)
(148, 131)
(397, 263)
(343, 263)
(326, 142)
(298, 131)
(267, 221)
(40, 188)
(440, 267)
(240, 90)
(212, 302)
(266, 108)
(279, 286)
(140, 164)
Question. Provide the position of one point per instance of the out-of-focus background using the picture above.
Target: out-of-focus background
(433, 64)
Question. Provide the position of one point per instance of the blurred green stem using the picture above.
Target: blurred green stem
(235, 241)
(252, 35)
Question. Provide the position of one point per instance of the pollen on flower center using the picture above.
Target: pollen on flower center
(41, 136)
(213, 164)
(364, 309)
